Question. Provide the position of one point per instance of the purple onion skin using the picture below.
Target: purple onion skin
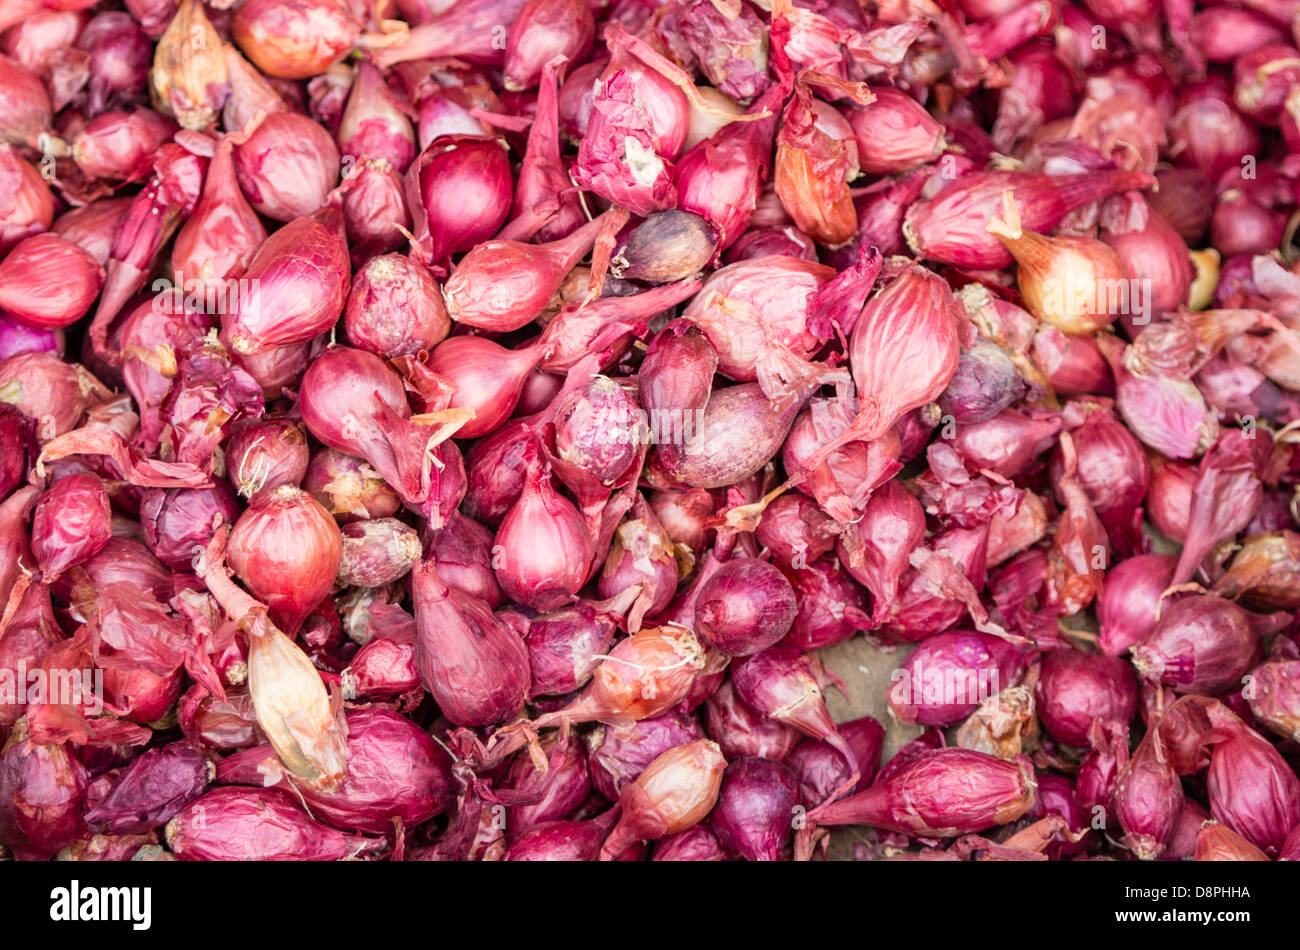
(755, 808)
(1075, 688)
(256, 824)
(41, 792)
(986, 382)
(1055, 796)
(151, 790)
(71, 524)
(18, 337)
(948, 675)
(1253, 790)
(564, 646)
(560, 841)
(1126, 608)
(462, 550)
(742, 731)
(178, 522)
(1201, 644)
(821, 769)
(746, 607)
(795, 529)
(618, 754)
(559, 790)
(395, 771)
(13, 449)
(696, 843)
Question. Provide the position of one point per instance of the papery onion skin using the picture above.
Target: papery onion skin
(1077, 688)
(287, 166)
(294, 39)
(287, 549)
(395, 308)
(297, 284)
(49, 282)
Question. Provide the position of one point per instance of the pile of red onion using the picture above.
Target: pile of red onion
(458, 437)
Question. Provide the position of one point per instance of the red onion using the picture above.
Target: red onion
(459, 191)
(372, 126)
(1077, 689)
(894, 133)
(266, 454)
(565, 841)
(754, 809)
(543, 30)
(950, 227)
(719, 178)
(1253, 790)
(741, 731)
(488, 378)
(676, 791)
(1271, 692)
(178, 523)
(474, 666)
(1150, 249)
(41, 791)
(47, 281)
(119, 58)
(223, 234)
(558, 790)
(1128, 604)
(396, 772)
(119, 146)
(71, 524)
(1224, 499)
(395, 308)
(738, 433)
(747, 606)
(29, 207)
(151, 790)
(468, 30)
(696, 843)
(877, 548)
(353, 403)
(348, 487)
(640, 554)
(462, 550)
(941, 793)
(189, 78)
(795, 531)
(618, 754)
(377, 552)
(821, 769)
(545, 549)
(1072, 364)
(287, 166)
(297, 282)
(24, 103)
(1166, 414)
(832, 606)
(242, 824)
(948, 675)
(286, 548)
(1240, 225)
(986, 382)
(1148, 800)
(1202, 644)
(294, 39)
(566, 645)
(1207, 132)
